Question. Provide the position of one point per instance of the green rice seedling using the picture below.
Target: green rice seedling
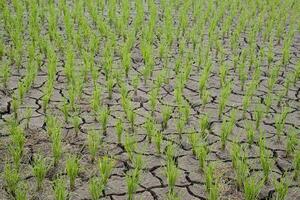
(110, 84)
(60, 190)
(180, 124)
(94, 142)
(170, 152)
(105, 165)
(281, 188)
(16, 153)
(209, 176)
(246, 104)
(280, 122)
(225, 131)
(15, 104)
(131, 115)
(172, 174)
(28, 115)
(39, 170)
(103, 115)
(130, 145)
(158, 138)
(172, 196)
(153, 99)
(5, 74)
(11, 177)
(21, 191)
(76, 124)
(250, 133)
(204, 125)
(135, 83)
(241, 171)
(166, 115)
(296, 165)
(292, 142)
(72, 169)
(225, 92)
(119, 130)
(268, 102)
(194, 141)
(56, 145)
(205, 98)
(266, 162)
(223, 73)
(252, 188)
(259, 114)
(150, 128)
(201, 154)
(95, 188)
(235, 154)
(96, 99)
(214, 192)
(132, 180)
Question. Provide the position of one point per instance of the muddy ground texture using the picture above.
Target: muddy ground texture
(153, 185)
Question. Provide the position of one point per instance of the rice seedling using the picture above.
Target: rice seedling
(95, 188)
(204, 125)
(194, 140)
(135, 83)
(252, 188)
(28, 115)
(131, 116)
(292, 142)
(132, 180)
(153, 99)
(201, 154)
(158, 138)
(180, 124)
(72, 169)
(5, 74)
(241, 171)
(250, 133)
(76, 120)
(56, 145)
(119, 130)
(150, 128)
(21, 191)
(258, 115)
(172, 174)
(39, 170)
(103, 115)
(166, 115)
(281, 188)
(105, 165)
(60, 190)
(130, 145)
(280, 122)
(94, 142)
(11, 177)
(296, 165)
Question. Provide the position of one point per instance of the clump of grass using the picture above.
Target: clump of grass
(252, 188)
(250, 133)
(132, 180)
(119, 130)
(281, 188)
(72, 169)
(39, 170)
(103, 115)
(296, 164)
(106, 165)
(95, 188)
(265, 160)
(292, 142)
(150, 128)
(11, 177)
(60, 190)
(172, 174)
(158, 138)
(211, 184)
(204, 125)
(201, 154)
(130, 145)
(166, 114)
(94, 141)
